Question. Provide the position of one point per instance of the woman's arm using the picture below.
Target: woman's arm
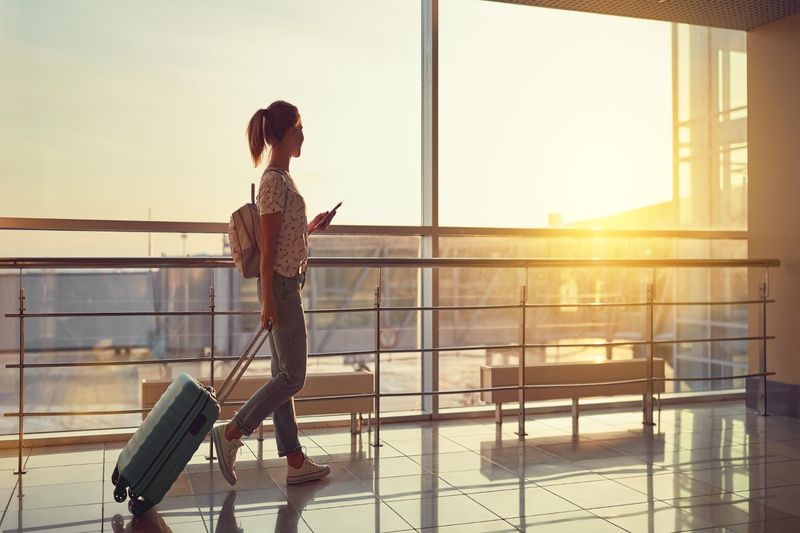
(270, 228)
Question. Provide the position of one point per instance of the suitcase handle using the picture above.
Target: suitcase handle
(241, 365)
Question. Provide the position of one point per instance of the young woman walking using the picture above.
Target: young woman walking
(284, 254)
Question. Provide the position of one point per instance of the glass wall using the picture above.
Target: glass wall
(553, 118)
(123, 110)
(711, 121)
(547, 119)
(571, 325)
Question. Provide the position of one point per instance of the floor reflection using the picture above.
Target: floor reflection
(708, 466)
(149, 522)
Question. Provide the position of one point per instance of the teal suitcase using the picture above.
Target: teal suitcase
(173, 430)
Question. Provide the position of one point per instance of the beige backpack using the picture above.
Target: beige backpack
(244, 234)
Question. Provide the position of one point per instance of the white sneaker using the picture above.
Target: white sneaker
(226, 453)
(308, 471)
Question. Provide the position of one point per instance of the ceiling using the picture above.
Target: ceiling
(732, 14)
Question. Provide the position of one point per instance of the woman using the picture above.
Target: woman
(284, 253)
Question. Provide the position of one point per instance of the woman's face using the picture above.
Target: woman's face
(297, 138)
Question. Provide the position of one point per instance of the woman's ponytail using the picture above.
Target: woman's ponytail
(256, 137)
(269, 125)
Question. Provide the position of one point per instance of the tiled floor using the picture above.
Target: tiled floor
(710, 467)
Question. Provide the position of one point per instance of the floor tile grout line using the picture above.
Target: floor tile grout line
(388, 504)
(734, 463)
(8, 502)
(16, 484)
(526, 481)
(102, 493)
(195, 498)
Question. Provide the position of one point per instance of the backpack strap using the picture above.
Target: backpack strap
(285, 186)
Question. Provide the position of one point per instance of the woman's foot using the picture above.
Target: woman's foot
(307, 471)
(226, 453)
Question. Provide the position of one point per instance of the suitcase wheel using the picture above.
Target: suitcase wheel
(118, 524)
(120, 494)
(115, 476)
(139, 507)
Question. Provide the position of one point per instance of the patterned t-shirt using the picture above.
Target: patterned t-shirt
(291, 252)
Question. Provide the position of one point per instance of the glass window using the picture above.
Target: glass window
(559, 118)
(550, 112)
(572, 324)
(124, 110)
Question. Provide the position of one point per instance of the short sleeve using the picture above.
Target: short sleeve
(271, 193)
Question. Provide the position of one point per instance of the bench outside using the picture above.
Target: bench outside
(555, 373)
(322, 384)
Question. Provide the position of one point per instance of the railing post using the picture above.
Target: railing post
(762, 348)
(523, 300)
(21, 376)
(212, 311)
(648, 395)
(377, 434)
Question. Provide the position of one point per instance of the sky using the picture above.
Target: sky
(129, 110)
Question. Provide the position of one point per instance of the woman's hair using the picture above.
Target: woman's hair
(269, 125)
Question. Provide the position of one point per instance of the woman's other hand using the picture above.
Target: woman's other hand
(320, 223)
(268, 315)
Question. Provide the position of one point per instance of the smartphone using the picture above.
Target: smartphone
(325, 219)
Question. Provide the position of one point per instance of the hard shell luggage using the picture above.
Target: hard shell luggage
(173, 430)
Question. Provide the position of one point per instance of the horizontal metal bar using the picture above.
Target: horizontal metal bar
(721, 339)
(632, 342)
(116, 226)
(367, 309)
(392, 351)
(109, 314)
(449, 307)
(78, 413)
(730, 302)
(171, 313)
(112, 363)
(537, 263)
(173, 360)
(65, 349)
(590, 233)
(115, 262)
(587, 344)
(147, 226)
(451, 348)
(381, 262)
(720, 378)
(340, 310)
(404, 394)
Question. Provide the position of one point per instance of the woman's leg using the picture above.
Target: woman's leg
(289, 351)
(284, 418)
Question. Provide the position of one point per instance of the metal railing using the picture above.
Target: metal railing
(377, 308)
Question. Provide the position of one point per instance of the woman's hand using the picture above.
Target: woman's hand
(268, 315)
(319, 223)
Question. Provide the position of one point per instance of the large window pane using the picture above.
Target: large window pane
(577, 325)
(124, 110)
(558, 118)
(150, 339)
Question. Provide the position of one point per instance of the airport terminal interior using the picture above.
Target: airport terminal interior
(560, 292)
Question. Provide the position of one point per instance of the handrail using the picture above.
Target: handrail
(361, 395)
(381, 262)
(160, 226)
(20, 264)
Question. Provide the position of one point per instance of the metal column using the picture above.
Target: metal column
(521, 375)
(648, 395)
(377, 434)
(763, 291)
(211, 309)
(21, 374)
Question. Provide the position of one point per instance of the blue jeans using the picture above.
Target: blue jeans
(289, 355)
